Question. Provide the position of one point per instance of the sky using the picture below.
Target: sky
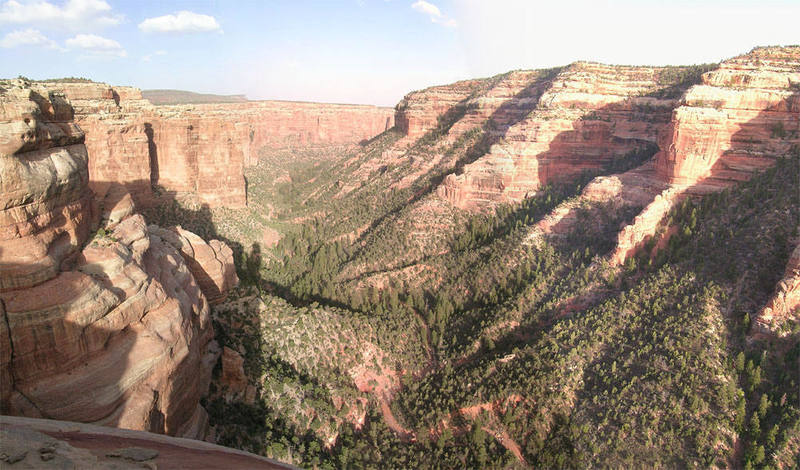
(366, 51)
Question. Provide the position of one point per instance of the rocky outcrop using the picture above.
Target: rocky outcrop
(745, 114)
(564, 122)
(45, 203)
(742, 116)
(114, 330)
(115, 134)
(233, 378)
(200, 149)
(422, 111)
(38, 443)
(211, 263)
(783, 309)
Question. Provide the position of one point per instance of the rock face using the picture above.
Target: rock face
(742, 116)
(211, 263)
(738, 120)
(115, 331)
(116, 137)
(783, 309)
(551, 125)
(203, 148)
(745, 114)
(28, 443)
(233, 377)
(420, 111)
(44, 198)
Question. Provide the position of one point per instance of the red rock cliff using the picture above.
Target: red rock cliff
(114, 330)
(201, 149)
(739, 119)
(557, 124)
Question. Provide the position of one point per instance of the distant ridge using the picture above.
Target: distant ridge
(188, 97)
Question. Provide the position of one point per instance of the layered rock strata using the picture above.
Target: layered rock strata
(567, 121)
(201, 149)
(114, 329)
(422, 111)
(743, 115)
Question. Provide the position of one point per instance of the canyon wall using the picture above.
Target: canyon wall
(713, 126)
(783, 309)
(200, 149)
(420, 111)
(548, 126)
(110, 327)
(742, 116)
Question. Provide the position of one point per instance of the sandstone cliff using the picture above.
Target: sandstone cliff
(200, 149)
(421, 111)
(712, 130)
(783, 309)
(559, 123)
(738, 120)
(114, 329)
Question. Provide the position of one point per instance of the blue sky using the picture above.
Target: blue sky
(366, 51)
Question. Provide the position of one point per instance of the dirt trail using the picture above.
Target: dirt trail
(388, 417)
(506, 441)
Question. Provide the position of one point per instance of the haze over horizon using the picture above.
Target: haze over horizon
(365, 51)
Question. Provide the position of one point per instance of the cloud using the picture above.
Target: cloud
(180, 22)
(28, 37)
(149, 57)
(96, 47)
(71, 15)
(433, 13)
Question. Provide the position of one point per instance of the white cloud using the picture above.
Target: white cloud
(28, 37)
(71, 15)
(180, 22)
(434, 13)
(95, 46)
(149, 57)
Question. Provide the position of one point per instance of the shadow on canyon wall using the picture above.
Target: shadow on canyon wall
(152, 153)
(738, 164)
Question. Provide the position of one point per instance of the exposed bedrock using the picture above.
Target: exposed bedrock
(48, 444)
(743, 116)
(201, 149)
(560, 123)
(783, 309)
(110, 327)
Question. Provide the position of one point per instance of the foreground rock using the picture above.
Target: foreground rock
(111, 327)
(27, 443)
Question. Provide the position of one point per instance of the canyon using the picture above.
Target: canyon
(491, 256)
(200, 149)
